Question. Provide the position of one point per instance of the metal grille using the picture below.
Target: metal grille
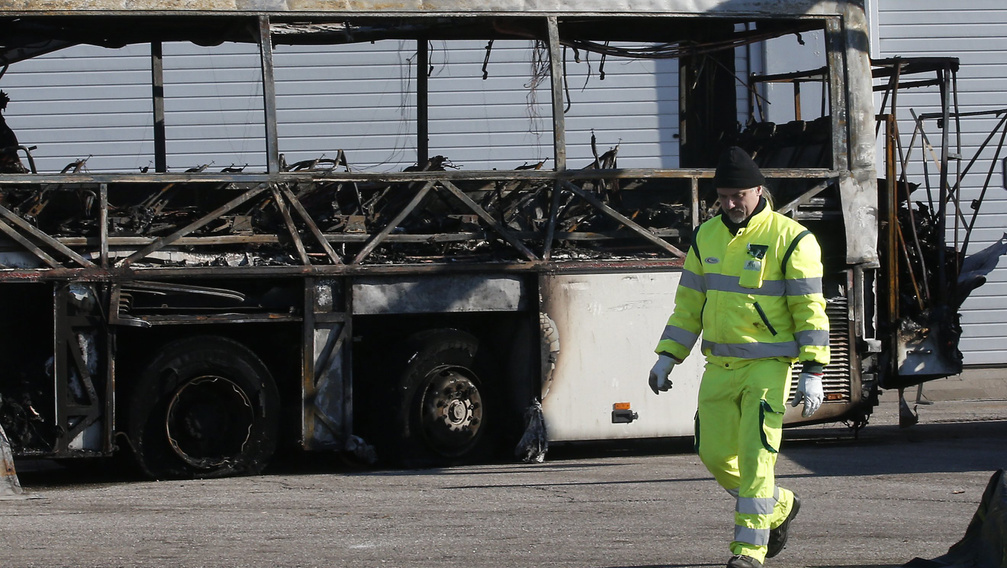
(836, 382)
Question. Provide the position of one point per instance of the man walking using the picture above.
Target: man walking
(752, 285)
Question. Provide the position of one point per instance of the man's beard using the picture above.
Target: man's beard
(736, 216)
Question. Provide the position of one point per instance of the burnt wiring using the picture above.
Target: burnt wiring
(430, 64)
(486, 59)
(566, 84)
(657, 51)
(405, 109)
(539, 73)
(675, 50)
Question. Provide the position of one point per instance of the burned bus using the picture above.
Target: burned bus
(203, 317)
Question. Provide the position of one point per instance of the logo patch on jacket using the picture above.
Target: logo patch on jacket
(711, 260)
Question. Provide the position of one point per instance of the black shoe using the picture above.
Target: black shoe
(739, 561)
(778, 536)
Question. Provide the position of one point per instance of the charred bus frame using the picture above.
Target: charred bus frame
(415, 310)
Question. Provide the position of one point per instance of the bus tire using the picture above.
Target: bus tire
(443, 405)
(205, 406)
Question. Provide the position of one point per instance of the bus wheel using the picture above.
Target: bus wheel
(443, 408)
(204, 407)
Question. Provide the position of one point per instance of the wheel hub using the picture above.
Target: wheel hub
(452, 410)
(458, 414)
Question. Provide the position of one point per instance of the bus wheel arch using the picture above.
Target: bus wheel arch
(204, 406)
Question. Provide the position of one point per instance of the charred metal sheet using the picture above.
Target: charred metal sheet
(439, 294)
(76, 369)
(325, 422)
(164, 288)
(928, 348)
(748, 7)
(853, 147)
(860, 213)
(928, 273)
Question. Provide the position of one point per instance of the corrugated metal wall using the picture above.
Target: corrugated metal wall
(88, 101)
(976, 32)
(82, 104)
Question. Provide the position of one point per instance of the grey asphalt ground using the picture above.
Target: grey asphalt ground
(875, 501)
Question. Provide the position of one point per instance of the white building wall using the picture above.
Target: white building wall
(82, 104)
(975, 31)
(89, 102)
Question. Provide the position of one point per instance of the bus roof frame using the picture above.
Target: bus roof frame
(746, 8)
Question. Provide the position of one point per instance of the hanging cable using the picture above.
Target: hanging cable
(601, 64)
(566, 82)
(486, 59)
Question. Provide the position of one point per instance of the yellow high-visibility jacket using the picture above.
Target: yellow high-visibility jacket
(753, 295)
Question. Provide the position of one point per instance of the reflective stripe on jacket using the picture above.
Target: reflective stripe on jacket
(737, 292)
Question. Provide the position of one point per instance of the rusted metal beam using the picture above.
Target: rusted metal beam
(230, 318)
(397, 8)
(291, 228)
(61, 335)
(157, 98)
(29, 228)
(629, 223)
(249, 179)
(202, 221)
(90, 411)
(269, 96)
(835, 40)
(489, 220)
(103, 224)
(310, 223)
(550, 228)
(36, 275)
(380, 237)
(17, 237)
(694, 201)
(556, 84)
(804, 197)
(422, 101)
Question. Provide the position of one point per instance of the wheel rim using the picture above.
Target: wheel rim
(209, 421)
(451, 411)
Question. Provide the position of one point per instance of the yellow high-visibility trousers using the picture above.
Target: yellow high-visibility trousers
(739, 427)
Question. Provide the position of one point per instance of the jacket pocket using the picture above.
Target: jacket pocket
(770, 427)
(752, 273)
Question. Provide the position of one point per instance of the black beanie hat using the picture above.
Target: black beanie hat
(737, 170)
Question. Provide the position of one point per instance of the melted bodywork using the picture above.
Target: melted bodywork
(329, 258)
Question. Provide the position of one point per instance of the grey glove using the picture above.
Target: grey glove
(659, 380)
(809, 391)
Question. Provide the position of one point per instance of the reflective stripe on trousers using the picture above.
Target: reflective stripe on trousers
(739, 427)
